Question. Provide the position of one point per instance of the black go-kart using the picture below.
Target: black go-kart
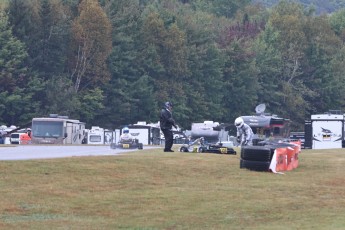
(199, 146)
(131, 144)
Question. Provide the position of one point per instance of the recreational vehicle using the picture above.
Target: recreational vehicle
(57, 130)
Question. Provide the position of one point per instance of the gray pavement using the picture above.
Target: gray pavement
(27, 152)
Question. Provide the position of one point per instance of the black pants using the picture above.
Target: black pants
(168, 135)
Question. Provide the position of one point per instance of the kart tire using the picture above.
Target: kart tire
(184, 149)
(257, 153)
(231, 151)
(140, 146)
(202, 149)
(262, 166)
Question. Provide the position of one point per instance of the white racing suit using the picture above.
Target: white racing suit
(245, 135)
(126, 137)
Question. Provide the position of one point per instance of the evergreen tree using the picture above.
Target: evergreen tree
(26, 22)
(268, 60)
(288, 20)
(16, 87)
(54, 38)
(241, 81)
(323, 66)
(129, 94)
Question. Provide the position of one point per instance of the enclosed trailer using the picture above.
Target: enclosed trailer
(95, 136)
(327, 131)
(145, 134)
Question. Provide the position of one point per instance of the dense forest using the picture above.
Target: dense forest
(115, 62)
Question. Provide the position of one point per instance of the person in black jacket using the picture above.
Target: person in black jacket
(166, 123)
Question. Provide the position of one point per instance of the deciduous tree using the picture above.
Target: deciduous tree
(91, 34)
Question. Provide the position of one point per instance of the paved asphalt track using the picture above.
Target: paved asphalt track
(28, 152)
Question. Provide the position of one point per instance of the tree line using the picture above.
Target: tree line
(320, 7)
(115, 62)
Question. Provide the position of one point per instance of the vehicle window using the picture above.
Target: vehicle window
(47, 129)
(95, 138)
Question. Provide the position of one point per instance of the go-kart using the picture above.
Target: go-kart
(199, 146)
(127, 144)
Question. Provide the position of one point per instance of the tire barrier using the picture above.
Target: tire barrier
(256, 153)
(275, 157)
(255, 165)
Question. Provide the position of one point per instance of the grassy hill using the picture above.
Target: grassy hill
(321, 6)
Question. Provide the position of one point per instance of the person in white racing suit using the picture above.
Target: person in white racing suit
(126, 136)
(244, 132)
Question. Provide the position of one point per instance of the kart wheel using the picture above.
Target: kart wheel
(231, 151)
(184, 149)
(201, 150)
(140, 146)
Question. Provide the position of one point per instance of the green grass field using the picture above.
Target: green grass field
(150, 189)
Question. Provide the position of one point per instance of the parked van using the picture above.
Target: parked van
(15, 138)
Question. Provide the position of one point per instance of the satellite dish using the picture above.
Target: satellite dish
(260, 109)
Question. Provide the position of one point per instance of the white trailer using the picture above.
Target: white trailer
(99, 136)
(146, 134)
(327, 131)
(95, 136)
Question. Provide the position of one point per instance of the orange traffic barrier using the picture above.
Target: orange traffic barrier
(286, 159)
(281, 155)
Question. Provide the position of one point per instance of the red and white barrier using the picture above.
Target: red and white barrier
(285, 158)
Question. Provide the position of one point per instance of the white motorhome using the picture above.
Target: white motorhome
(57, 130)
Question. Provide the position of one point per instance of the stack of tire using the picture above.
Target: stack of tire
(256, 158)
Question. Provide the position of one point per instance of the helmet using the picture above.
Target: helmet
(168, 105)
(125, 130)
(239, 122)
